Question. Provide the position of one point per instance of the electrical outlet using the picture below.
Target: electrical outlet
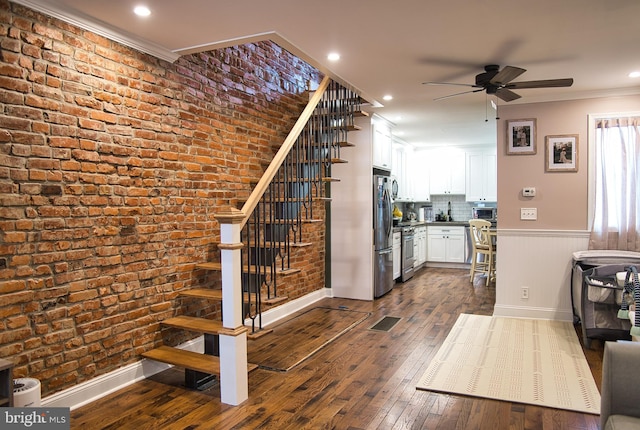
(524, 293)
(529, 214)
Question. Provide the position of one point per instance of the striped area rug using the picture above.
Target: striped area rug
(536, 362)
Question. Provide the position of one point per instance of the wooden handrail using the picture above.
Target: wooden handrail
(281, 155)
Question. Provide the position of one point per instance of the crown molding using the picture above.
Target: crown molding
(110, 33)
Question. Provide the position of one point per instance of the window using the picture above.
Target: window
(615, 170)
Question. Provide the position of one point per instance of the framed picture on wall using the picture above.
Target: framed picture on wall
(561, 153)
(521, 136)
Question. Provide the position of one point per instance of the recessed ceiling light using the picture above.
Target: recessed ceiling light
(142, 11)
(334, 56)
(634, 75)
(387, 97)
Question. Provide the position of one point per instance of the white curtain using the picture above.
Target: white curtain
(617, 205)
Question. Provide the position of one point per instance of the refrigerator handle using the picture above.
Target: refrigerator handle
(389, 212)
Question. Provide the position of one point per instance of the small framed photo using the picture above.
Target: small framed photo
(521, 137)
(561, 153)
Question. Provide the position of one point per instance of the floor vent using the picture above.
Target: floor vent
(385, 324)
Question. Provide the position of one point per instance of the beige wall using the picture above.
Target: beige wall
(538, 254)
(561, 197)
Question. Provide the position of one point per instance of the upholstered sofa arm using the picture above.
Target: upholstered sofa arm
(620, 383)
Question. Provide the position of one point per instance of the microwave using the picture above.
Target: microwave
(490, 214)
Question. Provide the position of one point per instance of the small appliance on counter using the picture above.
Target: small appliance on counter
(411, 212)
(428, 213)
(490, 214)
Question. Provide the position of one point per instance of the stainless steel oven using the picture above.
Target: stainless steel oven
(408, 234)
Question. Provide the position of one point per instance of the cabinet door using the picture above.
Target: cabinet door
(382, 144)
(425, 246)
(481, 176)
(436, 247)
(458, 183)
(475, 176)
(447, 171)
(396, 262)
(418, 168)
(491, 178)
(455, 249)
(400, 169)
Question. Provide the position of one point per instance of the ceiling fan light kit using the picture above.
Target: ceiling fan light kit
(498, 82)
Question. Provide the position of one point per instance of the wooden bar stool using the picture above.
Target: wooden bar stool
(484, 253)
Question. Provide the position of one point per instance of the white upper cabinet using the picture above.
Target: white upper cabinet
(399, 169)
(447, 171)
(409, 173)
(419, 180)
(382, 143)
(481, 175)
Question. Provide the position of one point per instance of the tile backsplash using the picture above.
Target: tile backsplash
(460, 208)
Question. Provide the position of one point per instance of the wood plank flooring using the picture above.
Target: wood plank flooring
(364, 380)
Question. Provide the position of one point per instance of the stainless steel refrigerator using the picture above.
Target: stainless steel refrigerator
(382, 235)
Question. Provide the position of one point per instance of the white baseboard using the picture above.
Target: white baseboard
(96, 388)
(533, 313)
(89, 391)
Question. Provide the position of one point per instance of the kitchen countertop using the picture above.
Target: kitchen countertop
(428, 223)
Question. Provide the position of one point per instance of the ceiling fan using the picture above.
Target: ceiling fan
(498, 82)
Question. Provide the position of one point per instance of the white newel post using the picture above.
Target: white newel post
(234, 381)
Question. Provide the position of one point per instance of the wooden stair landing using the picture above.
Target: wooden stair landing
(188, 359)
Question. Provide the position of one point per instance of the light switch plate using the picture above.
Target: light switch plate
(528, 214)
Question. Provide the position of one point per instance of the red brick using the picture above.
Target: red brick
(142, 152)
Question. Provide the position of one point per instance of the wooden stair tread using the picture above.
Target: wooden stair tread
(199, 325)
(282, 244)
(301, 180)
(301, 244)
(275, 300)
(294, 221)
(341, 143)
(247, 269)
(203, 293)
(188, 359)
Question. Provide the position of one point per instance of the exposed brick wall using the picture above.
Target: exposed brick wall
(112, 166)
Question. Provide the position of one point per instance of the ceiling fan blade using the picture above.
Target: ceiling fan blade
(507, 74)
(549, 83)
(506, 95)
(450, 83)
(458, 94)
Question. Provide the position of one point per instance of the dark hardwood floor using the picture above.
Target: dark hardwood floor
(364, 380)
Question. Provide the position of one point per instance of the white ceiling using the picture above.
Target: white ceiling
(391, 47)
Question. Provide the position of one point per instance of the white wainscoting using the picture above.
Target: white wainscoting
(541, 260)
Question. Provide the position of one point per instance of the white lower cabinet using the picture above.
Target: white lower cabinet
(445, 244)
(420, 246)
(396, 250)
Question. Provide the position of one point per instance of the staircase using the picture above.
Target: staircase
(257, 242)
